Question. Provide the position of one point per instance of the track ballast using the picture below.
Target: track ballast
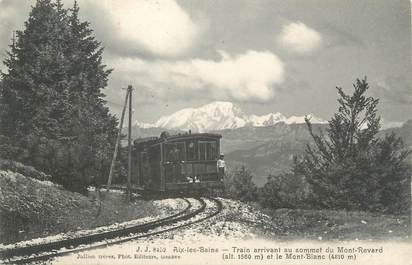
(45, 251)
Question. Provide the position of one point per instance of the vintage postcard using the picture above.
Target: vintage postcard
(205, 132)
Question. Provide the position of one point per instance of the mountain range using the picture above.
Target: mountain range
(265, 144)
(220, 115)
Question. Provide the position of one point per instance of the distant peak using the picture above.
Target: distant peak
(220, 115)
(222, 103)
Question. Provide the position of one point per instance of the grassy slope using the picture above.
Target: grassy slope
(291, 224)
(30, 208)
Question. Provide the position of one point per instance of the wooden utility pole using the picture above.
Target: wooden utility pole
(116, 148)
(129, 164)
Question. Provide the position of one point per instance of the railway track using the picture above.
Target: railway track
(41, 252)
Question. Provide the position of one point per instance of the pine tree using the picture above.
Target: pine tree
(33, 70)
(95, 125)
(53, 109)
(351, 167)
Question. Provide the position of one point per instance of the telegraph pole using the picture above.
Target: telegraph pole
(116, 148)
(129, 164)
(127, 100)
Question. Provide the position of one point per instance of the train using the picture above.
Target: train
(176, 163)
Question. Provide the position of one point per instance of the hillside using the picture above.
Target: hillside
(30, 208)
(267, 149)
(250, 137)
(270, 149)
(405, 132)
(26, 203)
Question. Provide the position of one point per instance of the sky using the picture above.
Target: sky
(264, 56)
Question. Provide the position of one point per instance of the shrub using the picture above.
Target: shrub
(28, 171)
(285, 190)
(239, 185)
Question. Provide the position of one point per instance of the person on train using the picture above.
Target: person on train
(221, 166)
(189, 179)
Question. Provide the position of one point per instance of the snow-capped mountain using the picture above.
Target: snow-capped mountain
(221, 115)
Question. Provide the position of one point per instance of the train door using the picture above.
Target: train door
(174, 157)
(137, 175)
(144, 168)
(208, 155)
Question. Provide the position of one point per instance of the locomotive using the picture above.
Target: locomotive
(175, 163)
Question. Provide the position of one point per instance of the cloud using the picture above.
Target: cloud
(299, 38)
(394, 89)
(157, 27)
(252, 76)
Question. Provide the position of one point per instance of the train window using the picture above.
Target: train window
(170, 154)
(175, 152)
(207, 150)
(191, 151)
(182, 151)
(202, 150)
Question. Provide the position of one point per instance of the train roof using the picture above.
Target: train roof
(164, 137)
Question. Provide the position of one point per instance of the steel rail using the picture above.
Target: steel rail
(72, 242)
(47, 256)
